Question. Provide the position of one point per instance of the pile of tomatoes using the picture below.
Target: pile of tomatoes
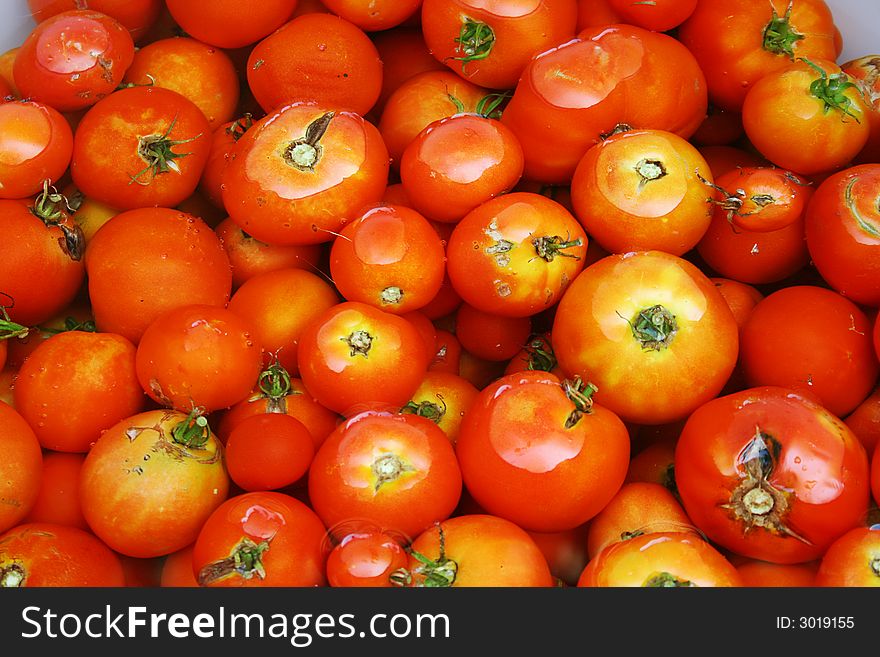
(438, 293)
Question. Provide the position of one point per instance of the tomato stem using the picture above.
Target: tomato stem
(10, 329)
(475, 41)
(156, 151)
(490, 105)
(831, 90)
(581, 395)
(391, 295)
(240, 126)
(388, 467)
(430, 573)
(618, 129)
(72, 324)
(667, 580)
(548, 247)
(541, 356)
(12, 576)
(359, 342)
(305, 153)
(653, 327)
(193, 431)
(426, 409)
(649, 170)
(779, 36)
(245, 560)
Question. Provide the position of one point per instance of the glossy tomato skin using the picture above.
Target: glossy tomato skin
(282, 189)
(21, 468)
(137, 16)
(660, 15)
(268, 451)
(864, 72)
(765, 574)
(852, 560)
(730, 41)
(662, 559)
(365, 558)
(530, 454)
(605, 346)
(49, 555)
(843, 232)
(809, 473)
(283, 534)
(75, 385)
(831, 357)
(58, 499)
(231, 24)
(740, 297)
(397, 471)
(36, 144)
(73, 60)
(120, 150)
(164, 488)
(445, 398)
(763, 199)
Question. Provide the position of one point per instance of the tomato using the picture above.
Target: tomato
(87, 213)
(298, 174)
(596, 12)
(145, 262)
(865, 72)
(388, 257)
(75, 385)
(279, 305)
(160, 470)
(445, 398)
(377, 15)
(139, 147)
(875, 476)
(320, 58)
(36, 144)
(202, 73)
(260, 539)
(737, 42)
(425, 329)
(58, 499)
(137, 16)
(852, 560)
(489, 336)
(515, 255)
(355, 355)
(397, 471)
(865, 421)
(843, 232)
(764, 574)
(177, 570)
(771, 475)
(565, 551)
(570, 95)
(366, 557)
(642, 189)
(538, 452)
(807, 117)
(475, 550)
(268, 451)
(44, 554)
(231, 23)
(722, 159)
(490, 43)
(651, 313)
(761, 199)
(660, 560)
(655, 464)
(73, 60)
(199, 356)
(20, 469)
(720, 127)
(830, 357)
(447, 356)
(740, 297)
(538, 355)
(404, 54)
(658, 15)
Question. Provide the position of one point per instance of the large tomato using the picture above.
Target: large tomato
(20, 469)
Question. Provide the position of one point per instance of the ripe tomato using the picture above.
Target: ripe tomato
(35, 145)
(375, 15)
(642, 189)
(771, 475)
(20, 469)
(145, 262)
(831, 357)
(658, 15)
(515, 255)
(231, 23)
(404, 54)
(73, 60)
(475, 550)
(740, 297)
(722, 159)
(566, 552)
(444, 398)
(488, 336)
(297, 175)
(160, 470)
(737, 42)
(139, 147)
(260, 539)
(852, 560)
(44, 554)
(58, 499)
(540, 453)
(268, 451)
(355, 355)
(538, 355)
(763, 574)
(651, 313)
(865, 421)
(75, 385)
(177, 570)
(808, 117)
(660, 560)
(875, 476)
(490, 43)
(865, 72)
(365, 557)
(843, 232)
(137, 16)
(719, 128)
(397, 471)
(761, 199)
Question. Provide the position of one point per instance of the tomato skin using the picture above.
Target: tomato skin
(864, 72)
(830, 357)
(20, 469)
(73, 60)
(762, 199)
(865, 421)
(679, 556)
(58, 499)
(764, 574)
(397, 471)
(528, 455)
(443, 394)
(365, 558)
(288, 531)
(268, 451)
(603, 347)
(231, 24)
(740, 297)
(843, 232)
(164, 489)
(49, 555)
(817, 483)
(852, 560)
(169, 257)
(36, 144)
(404, 54)
(660, 15)
(75, 385)
(177, 570)
(137, 16)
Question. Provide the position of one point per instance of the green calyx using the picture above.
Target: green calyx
(831, 90)
(156, 151)
(246, 561)
(666, 580)
(654, 328)
(193, 431)
(779, 36)
(429, 573)
(581, 395)
(475, 41)
(548, 247)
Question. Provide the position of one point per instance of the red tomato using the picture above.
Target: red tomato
(268, 451)
(761, 199)
(651, 313)
(657, 15)
(566, 552)
(771, 475)
(875, 476)
(177, 570)
(365, 558)
(489, 336)
(397, 471)
(35, 145)
(445, 398)
(231, 23)
(404, 54)
(260, 539)
(58, 499)
(852, 560)
(763, 574)
(20, 469)
(375, 15)
(740, 298)
(865, 421)
(865, 72)
(43, 554)
(538, 355)
(540, 453)
(137, 16)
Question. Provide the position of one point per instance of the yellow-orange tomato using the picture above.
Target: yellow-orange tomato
(852, 560)
(444, 398)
